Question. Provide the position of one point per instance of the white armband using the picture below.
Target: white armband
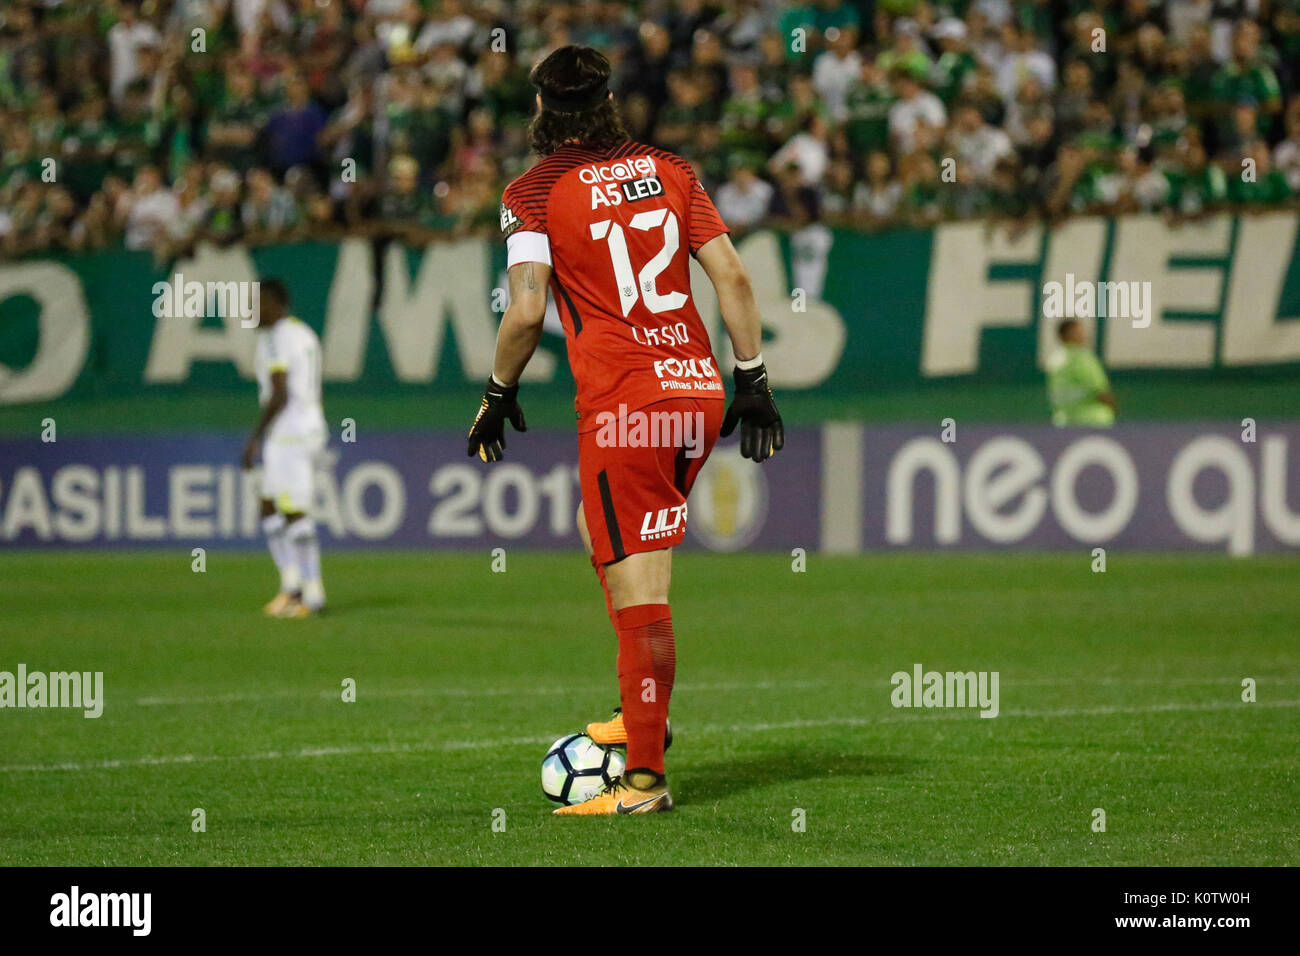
(527, 247)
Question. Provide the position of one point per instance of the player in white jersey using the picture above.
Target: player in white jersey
(290, 437)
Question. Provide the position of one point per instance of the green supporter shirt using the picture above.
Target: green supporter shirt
(1074, 380)
(867, 126)
(783, 118)
(510, 98)
(949, 74)
(900, 8)
(430, 133)
(1035, 19)
(810, 17)
(89, 153)
(1271, 189)
(844, 15)
(1087, 190)
(250, 113)
(744, 123)
(1196, 192)
(798, 17)
(1256, 84)
(914, 62)
(16, 169)
(1288, 30)
(135, 139)
(925, 197)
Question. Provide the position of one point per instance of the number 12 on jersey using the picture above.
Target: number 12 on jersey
(643, 284)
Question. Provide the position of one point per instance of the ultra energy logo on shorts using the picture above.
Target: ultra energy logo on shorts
(663, 523)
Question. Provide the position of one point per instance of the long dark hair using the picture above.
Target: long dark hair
(569, 79)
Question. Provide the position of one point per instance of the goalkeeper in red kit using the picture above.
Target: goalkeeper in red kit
(608, 225)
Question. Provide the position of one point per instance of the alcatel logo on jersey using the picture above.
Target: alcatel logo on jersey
(661, 523)
(636, 189)
(509, 221)
(628, 180)
(685, 368)
(629, 169)
(633, 190)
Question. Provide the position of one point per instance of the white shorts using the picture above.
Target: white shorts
(289, 465)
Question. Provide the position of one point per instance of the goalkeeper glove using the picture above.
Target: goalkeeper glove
(487, 437)
(762, 433)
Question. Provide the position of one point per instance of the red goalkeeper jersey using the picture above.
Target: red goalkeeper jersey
(616, 226)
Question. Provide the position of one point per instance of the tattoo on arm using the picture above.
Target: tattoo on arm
(528, 278)
(528, 284)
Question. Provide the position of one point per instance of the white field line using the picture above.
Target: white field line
(536, 690)
(1140, 681)
(716, 729)
(969, 713)
(553, 691)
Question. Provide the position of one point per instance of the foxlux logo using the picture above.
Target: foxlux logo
(180, 299)
(74, 689)
(662, 523)
(75, 909)
(685, 368)
(950, 689)
(655, 429)
(1085, 299)
(701, 370)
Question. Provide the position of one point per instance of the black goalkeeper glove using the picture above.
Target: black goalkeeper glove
(762, 433)
(487, 437)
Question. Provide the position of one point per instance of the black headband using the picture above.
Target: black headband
(575, 104)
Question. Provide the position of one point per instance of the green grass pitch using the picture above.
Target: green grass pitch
(1119, 691)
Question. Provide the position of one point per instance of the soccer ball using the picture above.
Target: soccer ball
(577, 768)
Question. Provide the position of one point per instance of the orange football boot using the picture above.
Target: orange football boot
(296, 609)
(275, 607)
(636, 791)
(612, 733)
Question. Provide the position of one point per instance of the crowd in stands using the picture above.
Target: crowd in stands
(159, 123)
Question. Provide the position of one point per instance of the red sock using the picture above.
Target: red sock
(604, 586)
(647, 664)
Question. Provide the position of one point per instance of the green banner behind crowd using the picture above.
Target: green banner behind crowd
(1214, 300)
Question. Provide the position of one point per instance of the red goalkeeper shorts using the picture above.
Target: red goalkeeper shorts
(636, 471)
